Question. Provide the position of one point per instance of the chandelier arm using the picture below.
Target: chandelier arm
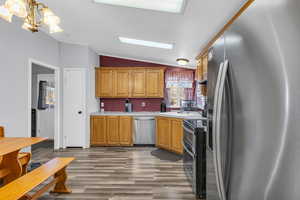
(41, 4)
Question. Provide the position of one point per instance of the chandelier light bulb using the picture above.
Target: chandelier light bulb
(5, 14)
(51, 20)
(55, 29)
(17, 7)
(47, 12)
(26, 25)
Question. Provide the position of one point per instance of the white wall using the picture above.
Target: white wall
(16, 47)
(92, 101)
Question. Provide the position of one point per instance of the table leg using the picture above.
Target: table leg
(10, 161)
(60, 186)
(24, 162)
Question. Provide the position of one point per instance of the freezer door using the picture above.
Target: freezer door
(214, 74)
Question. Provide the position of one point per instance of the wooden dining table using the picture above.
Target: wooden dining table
(9, 150)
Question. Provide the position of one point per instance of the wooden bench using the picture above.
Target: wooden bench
(23, 157)
(19, 188)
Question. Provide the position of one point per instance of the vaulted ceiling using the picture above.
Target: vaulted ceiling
(100, 25)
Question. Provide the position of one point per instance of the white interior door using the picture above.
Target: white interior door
(45, 118)
(74, 121)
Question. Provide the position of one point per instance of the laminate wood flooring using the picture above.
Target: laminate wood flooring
(133, 173)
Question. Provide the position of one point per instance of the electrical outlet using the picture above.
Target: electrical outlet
(102, 104)
(143, 104)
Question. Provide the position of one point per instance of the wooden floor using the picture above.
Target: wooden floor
(136, 173)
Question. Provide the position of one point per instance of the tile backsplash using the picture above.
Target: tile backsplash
(139, 105)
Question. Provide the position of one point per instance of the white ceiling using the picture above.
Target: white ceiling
(99, 26)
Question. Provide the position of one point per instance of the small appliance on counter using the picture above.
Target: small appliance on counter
(128, 106)
(163, 107)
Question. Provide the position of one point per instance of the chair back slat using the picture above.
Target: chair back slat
(1, 131)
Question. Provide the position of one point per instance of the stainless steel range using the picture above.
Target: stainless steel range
(194, 153)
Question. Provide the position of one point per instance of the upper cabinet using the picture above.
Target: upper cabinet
(126, 82)
(155, 83)
(122, 86)
(138, 81)
(201, 71)
(104, 83)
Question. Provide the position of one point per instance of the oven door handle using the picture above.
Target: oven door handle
(188, 130)
(187, 150)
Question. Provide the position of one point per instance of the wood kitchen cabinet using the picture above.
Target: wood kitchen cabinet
(104, 83)
(155, 83)
(111, 131)
(125, 131)
(163, 132)
(176, 135)
(130, 82)
(169, 134)
(122, 83)
(138, 83)
(201, 70)
(98, 131)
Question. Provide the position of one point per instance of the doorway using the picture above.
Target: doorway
(44, 101)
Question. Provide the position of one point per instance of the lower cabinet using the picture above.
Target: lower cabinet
(163, 132)
(111, 131)
(169, 134)
(98, 131)
(176, 135)
(125, 130)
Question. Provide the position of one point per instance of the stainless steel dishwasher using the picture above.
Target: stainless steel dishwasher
(144, 130)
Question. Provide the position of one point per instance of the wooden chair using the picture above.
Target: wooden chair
(19, 188)
(24, 159)
(1, 131)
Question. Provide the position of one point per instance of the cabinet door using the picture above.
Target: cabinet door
(112, 130)
(163, 132)
(125, 130)
(176, 135)
(104, 83)
(98, 131)
(122, 86)
(138, 83)
(155, 83)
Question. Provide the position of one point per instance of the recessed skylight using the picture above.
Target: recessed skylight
(173, 6)
(146, 43)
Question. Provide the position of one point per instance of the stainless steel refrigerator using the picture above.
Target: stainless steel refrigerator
(253, 106)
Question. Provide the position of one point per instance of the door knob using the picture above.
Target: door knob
(80, 112)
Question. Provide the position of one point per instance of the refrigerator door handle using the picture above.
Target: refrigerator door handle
(214, 129)
(218, 131)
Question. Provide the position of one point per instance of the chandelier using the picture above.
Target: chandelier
(35, 15)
